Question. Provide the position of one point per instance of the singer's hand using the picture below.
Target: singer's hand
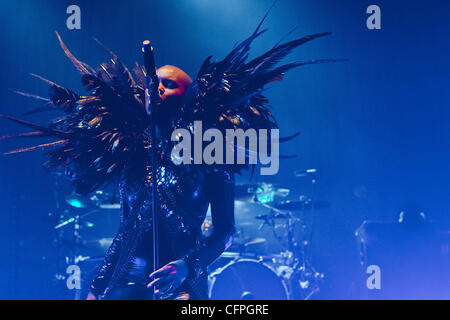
(167, 279)
(91, 296)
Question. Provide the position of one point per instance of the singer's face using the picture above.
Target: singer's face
(173, 83)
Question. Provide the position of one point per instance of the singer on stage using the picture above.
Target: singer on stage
(104, 138)
(184, 195)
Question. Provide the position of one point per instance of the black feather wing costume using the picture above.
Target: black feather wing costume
(101, 132)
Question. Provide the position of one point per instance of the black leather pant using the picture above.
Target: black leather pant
(133, 285)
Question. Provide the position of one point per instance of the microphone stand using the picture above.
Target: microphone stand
(151, 84)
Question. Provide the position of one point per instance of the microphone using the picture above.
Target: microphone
(149, 60)
(151, 79)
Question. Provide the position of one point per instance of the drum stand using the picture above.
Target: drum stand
(304, 281)
(305, 275)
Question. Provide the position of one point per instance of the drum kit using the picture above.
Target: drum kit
(270, 258)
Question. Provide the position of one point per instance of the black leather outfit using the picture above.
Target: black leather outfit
(184, 192)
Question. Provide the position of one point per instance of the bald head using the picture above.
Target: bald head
(173, 82)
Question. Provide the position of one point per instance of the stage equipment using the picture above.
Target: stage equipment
(289, 274)
(410, 255)
(247, 279)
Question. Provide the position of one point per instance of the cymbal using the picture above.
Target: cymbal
(110, 206)
(261, 192)
(247, 242)
(246, 224)
(277, 215)
(81, 222)
(78, 201)
(255, 241)
(246, 192)
(299, 205)
(99, 244)
(99, 199)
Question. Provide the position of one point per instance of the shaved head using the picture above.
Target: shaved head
(173, 84)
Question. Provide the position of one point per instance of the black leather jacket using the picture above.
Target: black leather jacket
(184, 191)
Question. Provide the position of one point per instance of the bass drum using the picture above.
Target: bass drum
(247, 279)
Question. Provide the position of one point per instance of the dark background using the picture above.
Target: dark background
(375, 127)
